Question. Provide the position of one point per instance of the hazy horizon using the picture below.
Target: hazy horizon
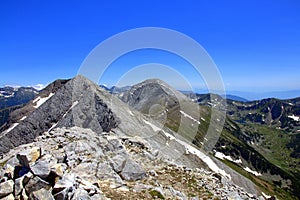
(255, 45)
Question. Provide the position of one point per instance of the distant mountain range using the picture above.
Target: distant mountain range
(12, 99)
(290, 94)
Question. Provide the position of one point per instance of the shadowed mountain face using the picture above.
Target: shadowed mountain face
(90, 134)
(12, 99)
(53, 107)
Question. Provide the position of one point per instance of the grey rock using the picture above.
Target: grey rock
(105, 172)
(18, 185)
(29, 156)
(98, 197)
(9, 171)
(42, 167)
(64, 194)
(9, 197)
(86, 171)
(132, 171)
(118, 162)
(6, 188)
(23, 195)
(27, 177)
(141, 187)
(65, 183)
(59, 169)
(13, 161)
(36, 184)
(81, 194)
(41, 194)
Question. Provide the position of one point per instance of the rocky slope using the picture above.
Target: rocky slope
(77, 163)
(241, 147)
(79, 141)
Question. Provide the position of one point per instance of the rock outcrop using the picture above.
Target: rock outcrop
(77, 163)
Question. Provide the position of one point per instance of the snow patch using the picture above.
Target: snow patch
(23, 118)
(73, 105)
(295, 118)
(190, 117)
(52, 127)
(11, 128)
(252, 172)
(8, 96)
(155, 128)
(38, 86)
(131, 113)
(190, 149)
(211, 164)
(266, 196)
(39, 101)
(222, 156)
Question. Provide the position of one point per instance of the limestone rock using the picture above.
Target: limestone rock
(42, 167)
(9, 197)
(24, 195)
(6, 188)
(36, 184)
(29, 156)
(118, 162)
(9, 171)
(81, 194)
(132, 171)
(65, 183)
(105, 172)
(59, 169)
(41, 194)
(18, 185)
(27, 177)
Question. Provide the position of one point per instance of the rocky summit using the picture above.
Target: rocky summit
(77, 141)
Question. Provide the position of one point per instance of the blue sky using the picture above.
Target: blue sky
(255, 44)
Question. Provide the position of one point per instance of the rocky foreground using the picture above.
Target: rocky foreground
(77, 163)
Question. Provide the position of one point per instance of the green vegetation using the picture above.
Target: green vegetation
(156, 194)
(269, 154)
(264, 185)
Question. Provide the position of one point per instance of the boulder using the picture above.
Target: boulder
(98, 197)
(65, 183)
(27, 177)
(105, 172)
(6, 188)
(29, 156)
(41, 194)
(59, 169)
(118, 162)
(81, 194)
(63, 195)
(18, 185)
(24, 195)
(9, 197)
(42, 167)
(9, 171)
(132, 171)
(36, 184)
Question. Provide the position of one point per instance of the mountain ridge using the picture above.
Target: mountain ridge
(76, 104)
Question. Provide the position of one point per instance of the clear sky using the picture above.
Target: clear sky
(255, 44)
